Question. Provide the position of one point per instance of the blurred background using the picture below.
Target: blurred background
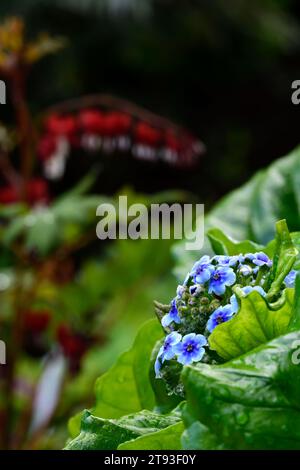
(221, 69)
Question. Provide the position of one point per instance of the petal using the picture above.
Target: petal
(234, 303)
(169, 354)
(203, 277)
(157, 368)
(166, 320)
(201, 340)
(231, 277)
(204, 260)
(188, 338)
(197, 356)
(211, 324)
(217, 288)
(174, 337)
(185, 359)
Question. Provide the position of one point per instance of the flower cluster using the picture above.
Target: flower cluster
(207, 299)
(97, 130)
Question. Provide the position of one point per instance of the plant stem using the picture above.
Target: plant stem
(25, 127)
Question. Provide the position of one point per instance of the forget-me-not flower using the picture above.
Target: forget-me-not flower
(202, 270)
(172, 316)
(221, 315)
(190, 349)
(221, 278)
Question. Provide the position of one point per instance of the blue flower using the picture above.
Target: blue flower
(246, 290)
(172, 316)
(221, 278)
(180, 290)
(290, 278)
(249, 256)
(202, 270)
(261, 259)
(245, 270)
(193, 289)
(166, 352)
(190, 349)
(221, 315)
(226, 260)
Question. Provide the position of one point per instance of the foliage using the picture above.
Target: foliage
(244, 403)
(251, 211)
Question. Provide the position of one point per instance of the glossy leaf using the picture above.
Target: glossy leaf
(226, 245)
(284, 257)
(251, 402)
(107, 434)
(254, 324)
(126, 388)
(165, 439)
(251, 211)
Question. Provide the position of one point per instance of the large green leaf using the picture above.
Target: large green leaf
(276, 198)
(165, 439)
(254, 324)
(250, 212)
(251, 402)
(199, 437)
(231, 215)
(107, 434)
(126, 388)
(223, 244)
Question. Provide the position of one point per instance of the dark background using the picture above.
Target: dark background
(222, 68)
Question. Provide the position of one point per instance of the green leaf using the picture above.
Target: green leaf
(74, 425)
(232, 215)
(107, 434)
(251, 402)
(126, 388)
(254, 324)
(166, 439)
(251, 211)
(199, 437)
(284, 258)
(225, 245)
(295, 320)
(276, 198)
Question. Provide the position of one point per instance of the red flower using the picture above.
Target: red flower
(91, 121)
(36, 321)
(73, 345)
(47, 146)
(8, 195)
(36, 191)
(116, 123)
(61, 125)
(146, 134)
(172, 142)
